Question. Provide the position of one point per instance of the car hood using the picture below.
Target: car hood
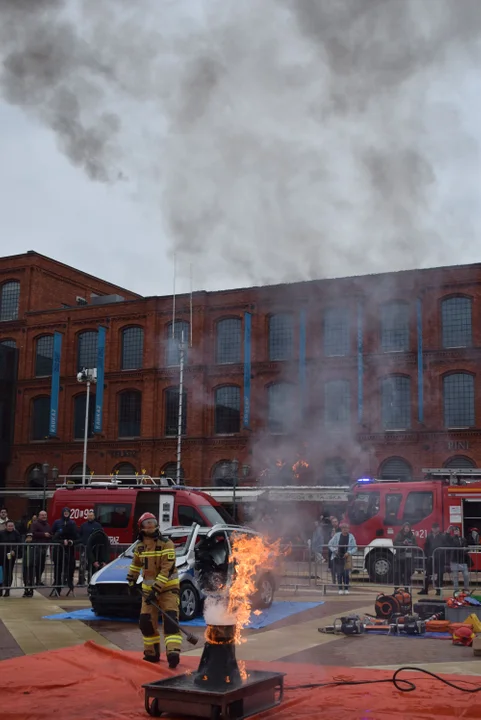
(116, 571)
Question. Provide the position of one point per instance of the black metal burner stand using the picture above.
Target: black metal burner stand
(216, 690)
(181, 696)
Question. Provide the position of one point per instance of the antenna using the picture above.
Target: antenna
(173, 299)
(190, 304)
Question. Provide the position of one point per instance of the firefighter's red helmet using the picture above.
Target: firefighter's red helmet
(463, 635)
(144, 517)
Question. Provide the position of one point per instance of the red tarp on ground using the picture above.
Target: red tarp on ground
(90, 681)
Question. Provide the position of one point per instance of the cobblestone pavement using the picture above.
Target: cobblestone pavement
(294, 639)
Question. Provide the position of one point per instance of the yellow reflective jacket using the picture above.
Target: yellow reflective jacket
(155, 557)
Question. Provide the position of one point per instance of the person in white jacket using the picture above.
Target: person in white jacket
(342, 547)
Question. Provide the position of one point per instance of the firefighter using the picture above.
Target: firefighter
(155, 557)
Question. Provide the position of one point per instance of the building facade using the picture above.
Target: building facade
(373, 375)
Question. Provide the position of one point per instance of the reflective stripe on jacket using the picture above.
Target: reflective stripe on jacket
(156, 559)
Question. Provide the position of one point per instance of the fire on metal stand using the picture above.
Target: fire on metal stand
(217, 689)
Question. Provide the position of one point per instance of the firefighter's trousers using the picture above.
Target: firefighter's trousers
(168, 601)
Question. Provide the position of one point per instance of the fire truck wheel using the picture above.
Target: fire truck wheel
(380, 567)
(189, 606)
(264, 597)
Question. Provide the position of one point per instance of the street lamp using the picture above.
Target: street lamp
(44, 470)
(88, 377)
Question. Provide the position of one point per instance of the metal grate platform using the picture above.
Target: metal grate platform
(180, 695)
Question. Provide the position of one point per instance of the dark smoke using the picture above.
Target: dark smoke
(51, 72)
(289, 139)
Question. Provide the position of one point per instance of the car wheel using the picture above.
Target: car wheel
(264, 597)
(189, 605)
(380, 567)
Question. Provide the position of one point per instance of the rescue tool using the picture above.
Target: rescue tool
(190, 638)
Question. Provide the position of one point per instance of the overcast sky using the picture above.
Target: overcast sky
(263, 143)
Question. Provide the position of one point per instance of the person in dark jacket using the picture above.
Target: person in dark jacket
(65, 536)
(10, 550)
(404, 543)
(42, 537)
(435, 559)
(86, 530)
(28, 565)
(97, 551)
(459, 558)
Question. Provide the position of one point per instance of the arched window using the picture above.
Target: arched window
(228, 341)
(172, 411)
(8, 342)
(130, 413)
(35, 479)
(181, 330)
(337, 402)
(396, 402)
(460, 461)
(44, 356)
(395, 327)
(9, 300)
(87, 350)
(227, 410)
(396, 468)
(223, 473)
(80, 402)
(75, 473)
(280, 407)
(40, 418)
(458, 400)
(456, 314)
(125, 472)
(281, 337)
(132, 348)
(335, 472)
(170, 471)
(337, 330)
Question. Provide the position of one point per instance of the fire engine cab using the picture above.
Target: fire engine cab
(377, 509)
(118, 505)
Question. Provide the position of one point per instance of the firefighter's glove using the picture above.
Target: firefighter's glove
(132, 587)
(151, 597)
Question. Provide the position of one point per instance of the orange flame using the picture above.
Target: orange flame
(242, 670)
(249, 553)
(298, 466)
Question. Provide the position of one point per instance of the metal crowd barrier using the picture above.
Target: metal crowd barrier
(373, 567)
(444, 569)
(55, 566)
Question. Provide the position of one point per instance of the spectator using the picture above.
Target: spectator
(28, 564)
(435, 559)
(473, 536)
(9, 551)
(32, 520)
(22, 527)
(404, 542)
(333, 530)
(97, 551)
(343, 546)
(3, 519)
(317, 542)
(42, 536)
(459, 558)
(65, 536)
(86, 530)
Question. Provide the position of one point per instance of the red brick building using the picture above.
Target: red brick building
(369, 375)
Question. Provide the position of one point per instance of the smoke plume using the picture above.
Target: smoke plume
(286, 139)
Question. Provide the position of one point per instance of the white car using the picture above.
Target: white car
(108, 589)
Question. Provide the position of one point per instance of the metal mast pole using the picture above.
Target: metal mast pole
(181, 393)
(86, 433)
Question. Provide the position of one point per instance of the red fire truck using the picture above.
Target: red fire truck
(377, 509)
(118, 506)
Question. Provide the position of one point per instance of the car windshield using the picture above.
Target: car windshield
(181, 542)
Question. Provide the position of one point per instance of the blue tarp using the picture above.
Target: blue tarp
(278, 611)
